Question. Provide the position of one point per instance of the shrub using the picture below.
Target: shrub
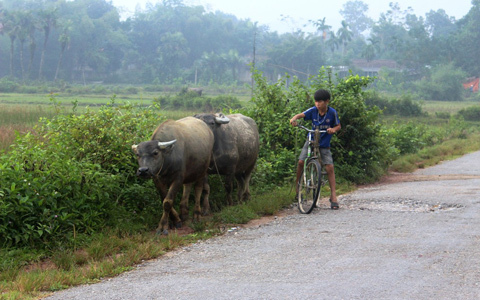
(360, 152)
(8, 86)
(444, 84)
(402, 106)
(76, 174)
(471, 113)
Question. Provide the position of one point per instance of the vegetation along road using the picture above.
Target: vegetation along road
(414, 237)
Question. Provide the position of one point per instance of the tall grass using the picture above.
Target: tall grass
(21, 119)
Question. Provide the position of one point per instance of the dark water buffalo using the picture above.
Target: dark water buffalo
(178, 154)
(235, 150)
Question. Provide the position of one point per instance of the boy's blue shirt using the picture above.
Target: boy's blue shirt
(329, 120)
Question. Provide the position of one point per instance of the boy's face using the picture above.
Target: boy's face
(321, 105)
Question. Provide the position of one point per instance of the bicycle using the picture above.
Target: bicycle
(311, 182)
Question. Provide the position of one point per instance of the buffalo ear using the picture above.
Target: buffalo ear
(134, 148)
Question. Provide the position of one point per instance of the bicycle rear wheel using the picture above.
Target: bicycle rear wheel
(309, 186)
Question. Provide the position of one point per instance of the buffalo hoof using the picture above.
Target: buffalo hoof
(162, 232)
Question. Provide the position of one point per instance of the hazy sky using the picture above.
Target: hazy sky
(296, 13)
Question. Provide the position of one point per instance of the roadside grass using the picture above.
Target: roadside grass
(26, 275)
(433, 155)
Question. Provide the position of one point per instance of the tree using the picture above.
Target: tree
(439, 24)
(333, 41)
(344, 35)
(233, 61)
(370, 51)
(467, 41)
(321, 27)
(63, 39)
(355, 14)
(12, 27)
(48, 20)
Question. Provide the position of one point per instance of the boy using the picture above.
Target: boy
(326, 118)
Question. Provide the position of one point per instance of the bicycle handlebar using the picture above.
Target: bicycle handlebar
(309, 130)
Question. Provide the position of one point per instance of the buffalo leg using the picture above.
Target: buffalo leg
(229, 188)
(240, 187)
(246, 193)
(206, 194)
(184, 202)
(198, 195)
(168, 209)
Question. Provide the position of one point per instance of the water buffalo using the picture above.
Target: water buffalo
(235, 150)
(178, 153)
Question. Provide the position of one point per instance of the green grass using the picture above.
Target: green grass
(432, 107)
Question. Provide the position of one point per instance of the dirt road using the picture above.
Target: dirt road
(417, 237)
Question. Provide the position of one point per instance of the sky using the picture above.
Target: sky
(289, 15)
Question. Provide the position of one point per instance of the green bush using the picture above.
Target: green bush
(76, 174)
(444, 84)
(360, 153)
(402, 106)
(471, 113)
(7, 85)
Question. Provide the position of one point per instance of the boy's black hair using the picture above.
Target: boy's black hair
(321, 95)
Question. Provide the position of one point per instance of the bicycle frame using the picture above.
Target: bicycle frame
(314, 143)
(307, 182)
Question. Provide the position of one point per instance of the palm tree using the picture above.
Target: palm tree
(372, 49)
(233, 60)
(64, 39)
(344, 35)
(321, 26)
(11, 27)
(48, 20)
(333, 41)
(24, 22)
(324, 28)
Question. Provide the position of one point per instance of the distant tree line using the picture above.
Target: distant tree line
(171, 42)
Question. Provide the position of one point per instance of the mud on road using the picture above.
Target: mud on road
(416, 236)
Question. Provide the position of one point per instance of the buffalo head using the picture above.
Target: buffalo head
(213, 119)
(151, 157)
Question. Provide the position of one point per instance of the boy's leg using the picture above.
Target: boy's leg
(299, 173)
(331, 182)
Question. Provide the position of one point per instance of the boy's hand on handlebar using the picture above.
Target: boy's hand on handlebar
(294, 122)
(330, 130)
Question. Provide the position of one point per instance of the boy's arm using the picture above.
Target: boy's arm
(334, 129)
(293, 120)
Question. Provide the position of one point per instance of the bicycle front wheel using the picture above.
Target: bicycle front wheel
(309, 186)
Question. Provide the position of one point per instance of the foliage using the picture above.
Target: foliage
(271, 107)
(360, 152)
(7, 86)
(193, 102)
(75, 174)
(444, 83)
(470, 113)
(175, 43)
(402, 106)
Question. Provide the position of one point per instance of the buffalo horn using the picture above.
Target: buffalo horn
(163, 145)
(221, 119)
(134, 148)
